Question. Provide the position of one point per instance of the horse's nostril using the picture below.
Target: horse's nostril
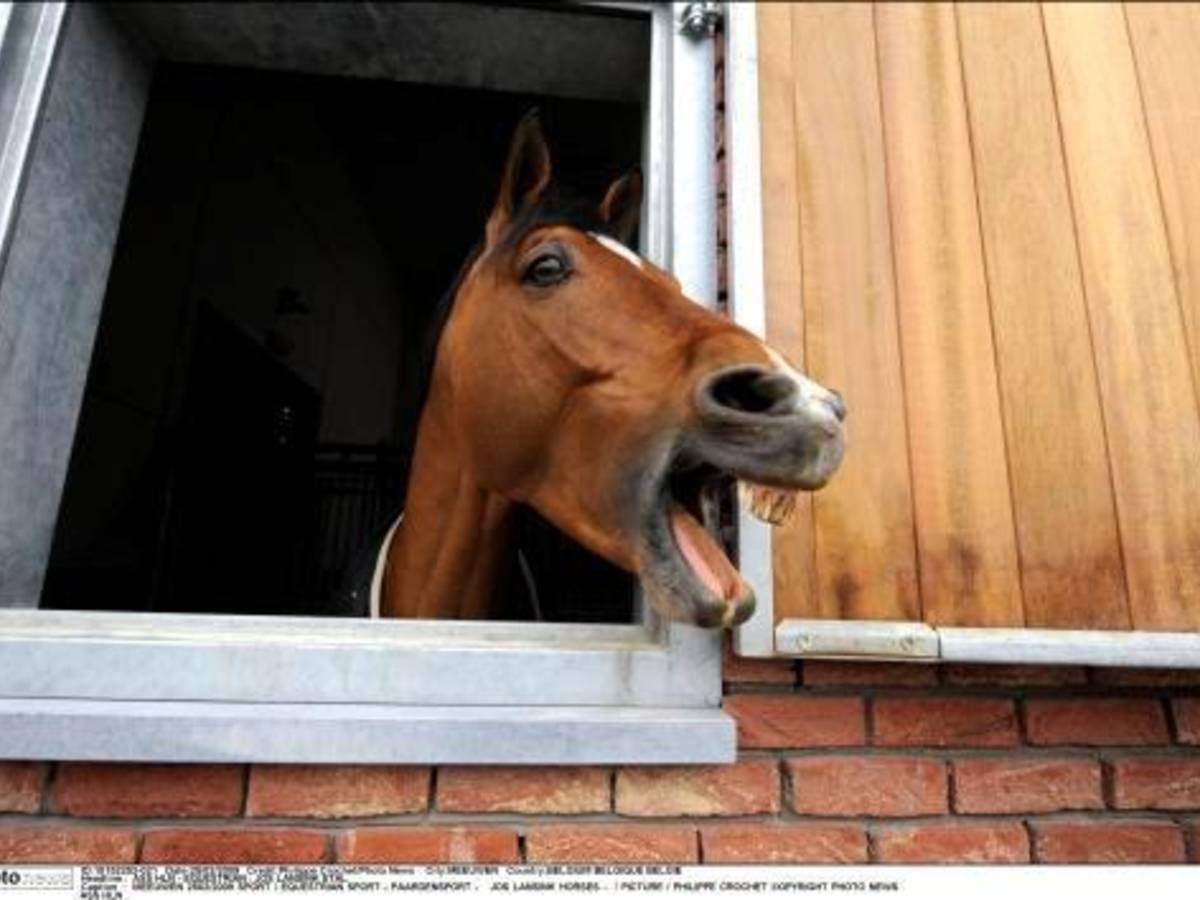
(837, 404)
(754, 390)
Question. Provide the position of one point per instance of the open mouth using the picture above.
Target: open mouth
(689, 571)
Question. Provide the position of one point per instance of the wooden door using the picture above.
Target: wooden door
(978, 226)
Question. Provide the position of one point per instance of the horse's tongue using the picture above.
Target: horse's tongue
(706, 559)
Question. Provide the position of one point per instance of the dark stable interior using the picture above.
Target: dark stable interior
(251, 397)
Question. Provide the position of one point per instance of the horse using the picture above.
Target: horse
(574, 376)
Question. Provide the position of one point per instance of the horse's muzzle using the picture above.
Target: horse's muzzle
(771, 431)
(769, 427)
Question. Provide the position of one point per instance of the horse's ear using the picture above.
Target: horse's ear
(622, 206)
(526, 174)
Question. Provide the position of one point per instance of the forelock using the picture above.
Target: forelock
(554, 209)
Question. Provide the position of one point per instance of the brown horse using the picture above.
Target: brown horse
(573, 376)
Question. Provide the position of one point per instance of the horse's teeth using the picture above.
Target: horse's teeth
(771, 505)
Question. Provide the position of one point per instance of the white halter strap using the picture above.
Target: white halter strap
(381, 567)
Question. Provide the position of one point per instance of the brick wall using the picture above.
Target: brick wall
(839, 762)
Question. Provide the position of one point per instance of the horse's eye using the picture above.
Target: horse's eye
(547, 269)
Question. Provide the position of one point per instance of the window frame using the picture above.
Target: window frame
(196, 688)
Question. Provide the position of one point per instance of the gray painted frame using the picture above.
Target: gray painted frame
(77, 685)
(28, 41)
(747, 302)
(76, 158)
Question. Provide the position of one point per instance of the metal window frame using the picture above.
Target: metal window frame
(849, 639)
(29, 37)
(747, 300)
(181, 688)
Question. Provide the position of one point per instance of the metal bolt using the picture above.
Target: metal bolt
(699, 20)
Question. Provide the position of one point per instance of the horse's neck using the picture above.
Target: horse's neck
(447, 556)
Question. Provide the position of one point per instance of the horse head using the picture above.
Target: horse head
(576, 377)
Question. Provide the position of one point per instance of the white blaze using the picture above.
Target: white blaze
(808, 390)
(618, 248)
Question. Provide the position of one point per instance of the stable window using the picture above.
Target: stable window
(205, 212)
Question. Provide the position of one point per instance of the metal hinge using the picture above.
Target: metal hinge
(700, 20)
(857, 640)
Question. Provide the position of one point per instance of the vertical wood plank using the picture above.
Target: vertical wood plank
(864, 542)
(1070, 557)
(1166, 51)
(966, 540)
(1141, 354)
(792, 543)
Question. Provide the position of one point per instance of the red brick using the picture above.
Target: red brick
(744, 788)
(783, 721)
(1187, 720)
(966, 842)
(1166, 783)
(994, 676)
(330, 792)
(233, 846)
(67, 845)
(783, 844)
(759, 671)
(1102, 721)
(1147, 677)
(1107, 842)
(867, 786)
(748, 670)
(944, 722)
(132, 791)
(21, 786)
(1026, 785)
(522, 789)
(427, 845)
(611, 844)
(829, 673)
